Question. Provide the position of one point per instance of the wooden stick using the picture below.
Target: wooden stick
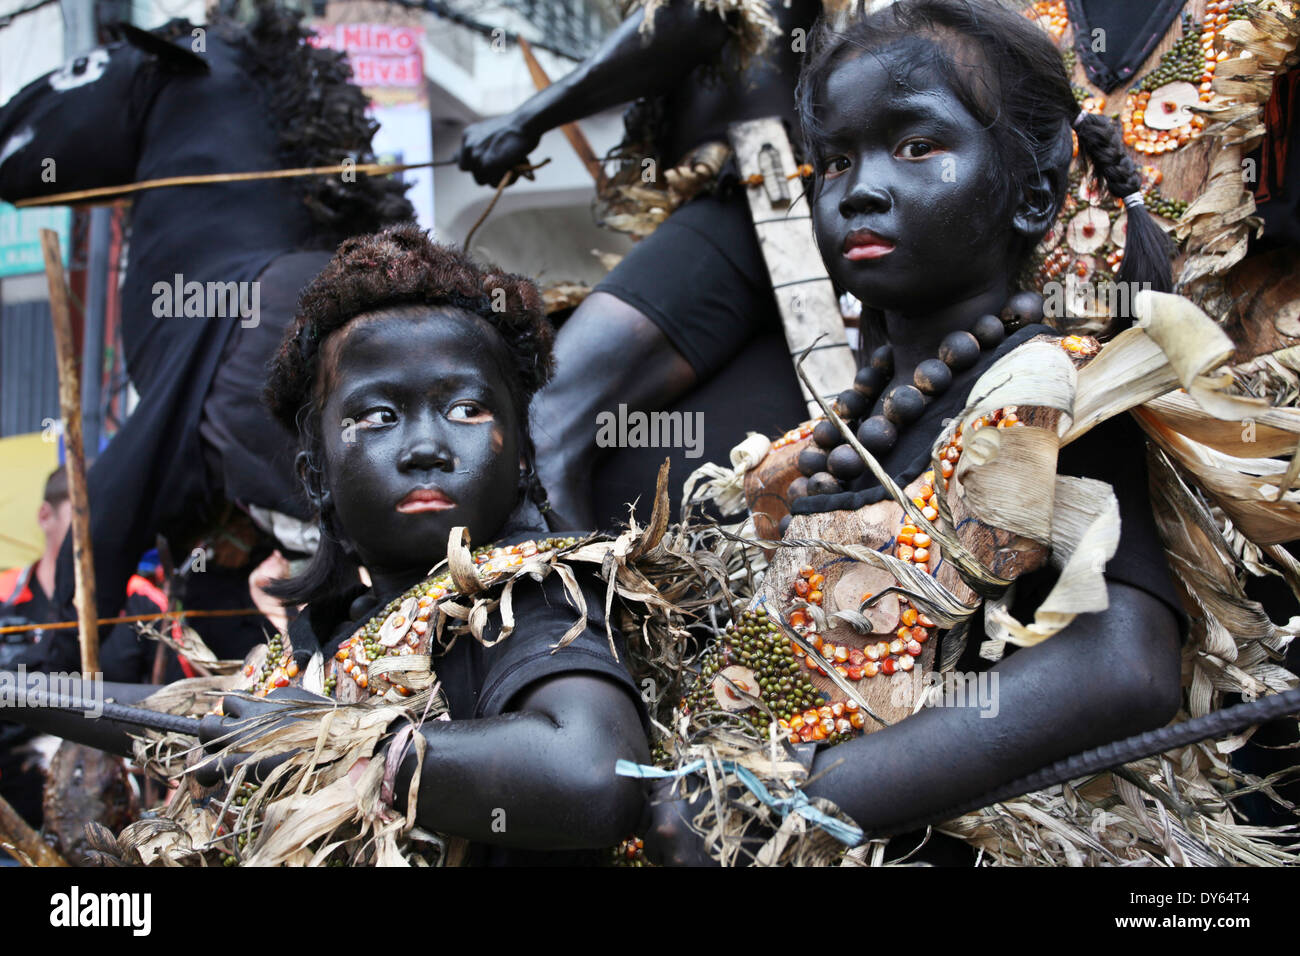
(132, 619)
(22, 842)
(80, 195)
(70, 408)
(506, 180)
(572, 131)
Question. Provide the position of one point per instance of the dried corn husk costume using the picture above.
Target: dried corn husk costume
(1215, 389)
(862, 604)
(1222, 496)
(328, 805)
(1191, 113)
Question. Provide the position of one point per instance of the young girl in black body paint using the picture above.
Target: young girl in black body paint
(941, 136)
(408, 373)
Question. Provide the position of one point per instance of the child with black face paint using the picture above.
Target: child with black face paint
(408, 373)
(941, 134)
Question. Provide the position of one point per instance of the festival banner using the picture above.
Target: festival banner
(388, 65)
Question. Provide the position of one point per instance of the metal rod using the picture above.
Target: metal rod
(108, 194)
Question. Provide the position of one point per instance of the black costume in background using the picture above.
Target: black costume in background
(21, 779)
(483, 681)
(1277, 192)
(701, 278)
(196, 113)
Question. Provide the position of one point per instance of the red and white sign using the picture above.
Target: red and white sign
(387, 64)
(382, 56)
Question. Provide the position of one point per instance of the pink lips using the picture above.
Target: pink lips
(423, 500)
(865, 244)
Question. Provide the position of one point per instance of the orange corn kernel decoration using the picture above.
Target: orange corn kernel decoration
(795, 434)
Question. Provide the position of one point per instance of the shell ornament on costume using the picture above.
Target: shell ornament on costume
(848, 625)
(1161, 112)
(405, 628)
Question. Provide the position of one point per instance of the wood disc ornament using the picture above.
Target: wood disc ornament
(853, 617)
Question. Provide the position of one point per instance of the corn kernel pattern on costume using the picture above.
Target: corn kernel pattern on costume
(997, 493)
(1198, 88)
(498, 618)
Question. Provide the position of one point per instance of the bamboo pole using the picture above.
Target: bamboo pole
(70, 408)
(109, 194)
(179, 615)
(22, 842)
(572, 131)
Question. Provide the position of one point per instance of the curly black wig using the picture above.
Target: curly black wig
(400, 266)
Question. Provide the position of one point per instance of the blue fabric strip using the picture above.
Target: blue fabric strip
(797, 802)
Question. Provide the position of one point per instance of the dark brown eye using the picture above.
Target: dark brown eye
(469, 412)
(377, 416)
(916, 149)
(835, 165)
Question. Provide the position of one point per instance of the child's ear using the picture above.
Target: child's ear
(1041, 201)
(310, 476)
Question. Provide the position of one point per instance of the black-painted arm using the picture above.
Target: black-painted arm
(627, 65)
(630, 64)
(539, 777)
(1106, 676)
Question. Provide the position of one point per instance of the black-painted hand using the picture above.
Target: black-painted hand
(244, 720)
(492, 147)
(670, 840)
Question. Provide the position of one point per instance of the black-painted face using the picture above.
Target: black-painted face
(420, 436)
(905, 213)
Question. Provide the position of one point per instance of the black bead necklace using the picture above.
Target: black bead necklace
(830, 461)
